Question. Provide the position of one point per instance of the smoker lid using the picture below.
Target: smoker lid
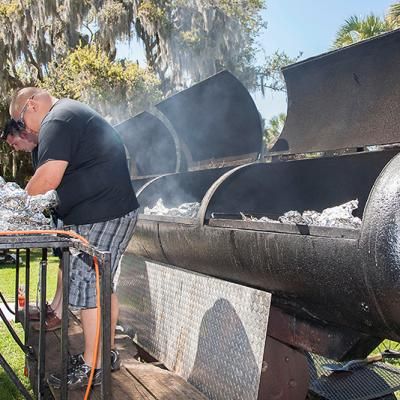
(346, 98)
(150, 144)
(215, 119)
(212, 124)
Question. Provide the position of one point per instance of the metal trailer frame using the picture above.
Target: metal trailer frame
(45, 242)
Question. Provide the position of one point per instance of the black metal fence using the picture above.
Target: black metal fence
(23, 245)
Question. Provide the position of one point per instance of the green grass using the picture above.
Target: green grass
(10, 350)
(15, 358)
(7, 276)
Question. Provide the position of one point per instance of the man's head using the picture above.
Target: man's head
(28, 108)
(18, 139)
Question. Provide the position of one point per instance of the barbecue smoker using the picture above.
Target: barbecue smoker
(311, 292)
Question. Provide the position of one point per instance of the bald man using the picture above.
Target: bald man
(81, 156)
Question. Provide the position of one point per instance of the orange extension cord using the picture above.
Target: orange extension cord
(96, 266)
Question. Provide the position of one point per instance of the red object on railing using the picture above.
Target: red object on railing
(21, 298)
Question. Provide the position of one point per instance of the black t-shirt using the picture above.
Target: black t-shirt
(96, 185)
(34, 156)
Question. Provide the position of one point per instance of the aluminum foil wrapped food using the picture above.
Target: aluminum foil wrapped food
(291, 217)
(340, 217)
(20, 212)
(188, 210)
(262, 219)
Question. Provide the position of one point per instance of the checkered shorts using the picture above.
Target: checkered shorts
(112, 236)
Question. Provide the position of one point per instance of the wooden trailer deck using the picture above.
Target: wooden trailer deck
(135, 380)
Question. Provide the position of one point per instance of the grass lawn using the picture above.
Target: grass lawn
(15, 358)
(7, 276)
(11, 352)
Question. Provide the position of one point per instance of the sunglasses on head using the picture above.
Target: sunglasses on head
(20, 122)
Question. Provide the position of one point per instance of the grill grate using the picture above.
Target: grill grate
(368, 382)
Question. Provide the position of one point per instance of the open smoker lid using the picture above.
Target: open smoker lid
(347, 98)
(214, 123)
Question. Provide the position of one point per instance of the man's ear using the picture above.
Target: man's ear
(33, 104)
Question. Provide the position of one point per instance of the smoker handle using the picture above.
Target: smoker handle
(374, 357)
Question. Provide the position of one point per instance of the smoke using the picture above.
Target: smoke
(198, 38)
(178, 189)
(212, 124)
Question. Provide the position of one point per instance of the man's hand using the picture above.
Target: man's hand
(47, 177)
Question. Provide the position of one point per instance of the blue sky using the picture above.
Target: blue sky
(308, 26)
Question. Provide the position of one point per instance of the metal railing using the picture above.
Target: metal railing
(44, 242)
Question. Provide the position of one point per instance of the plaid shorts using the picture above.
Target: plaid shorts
(112, 236)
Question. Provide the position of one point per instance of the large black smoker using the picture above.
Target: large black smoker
(335, 291)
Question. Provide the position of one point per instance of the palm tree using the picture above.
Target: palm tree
(393, 16)
(355, 29)
(273, 129)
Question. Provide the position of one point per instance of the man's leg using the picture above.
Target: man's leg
(56, 304)
(114, 317)
(89, 319)
(52, 323)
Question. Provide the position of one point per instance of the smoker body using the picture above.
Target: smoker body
(335, 291)
(342, 276)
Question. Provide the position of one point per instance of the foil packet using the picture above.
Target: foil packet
(21, 212)
(187, 210)
(262, 219)
(339, 217)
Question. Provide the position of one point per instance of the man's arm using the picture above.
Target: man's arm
(47, 177)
